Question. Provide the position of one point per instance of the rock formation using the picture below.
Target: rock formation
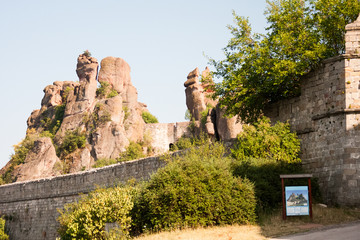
(79, 122)
(99, 116)
(206, 111)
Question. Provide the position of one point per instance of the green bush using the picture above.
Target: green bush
(102, 162)
(3, 235)
(182, 143)
(262, 153)
(193, 190)
(87, 218)
(187, 142)
(261, 140)
(205, 113)
(133, 151)
(265, 174)
(149, 118)
(72, 141)
(51, 126)
(106, 91)
(87, 53)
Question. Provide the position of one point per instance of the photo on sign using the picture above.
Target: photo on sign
(297, 200)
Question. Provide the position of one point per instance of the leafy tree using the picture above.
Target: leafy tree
(261, 69)
(261, 140)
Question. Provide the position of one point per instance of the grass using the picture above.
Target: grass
(270, 225)
(248, 232)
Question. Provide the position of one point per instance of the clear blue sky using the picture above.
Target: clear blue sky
(161, 40)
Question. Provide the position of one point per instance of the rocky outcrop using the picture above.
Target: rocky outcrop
(116, 72)
(99, 116)
(40, 162)
(205, 110)
(227, 128)
(195, 100)
(81, 123)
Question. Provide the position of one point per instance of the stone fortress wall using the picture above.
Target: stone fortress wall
(31, 207)
(327, 118)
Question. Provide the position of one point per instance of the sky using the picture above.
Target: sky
(161, 40)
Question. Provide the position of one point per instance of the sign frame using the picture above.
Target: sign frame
(300, 190)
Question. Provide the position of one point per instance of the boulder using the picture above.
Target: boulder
(39, 162)
(109, 141)
(52, 96)
(115, 71)
(227, 128)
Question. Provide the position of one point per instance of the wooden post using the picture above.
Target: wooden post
(283, 198)
(310, 198)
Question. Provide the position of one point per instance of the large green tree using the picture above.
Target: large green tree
(259, 69)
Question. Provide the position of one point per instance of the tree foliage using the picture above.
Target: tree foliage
(261, 153)
(261, 140)
(262, 68)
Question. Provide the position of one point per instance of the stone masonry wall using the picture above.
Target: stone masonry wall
(31, 207)
(326, 117)
(164, 134)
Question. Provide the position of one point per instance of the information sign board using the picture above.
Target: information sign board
(297, 200)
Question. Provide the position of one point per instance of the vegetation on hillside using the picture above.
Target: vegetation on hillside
(259, 69)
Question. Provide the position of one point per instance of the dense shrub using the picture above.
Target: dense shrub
(187, 142)
(86, 219)
(3, 235)
(106, 91)
(265, 174)
(101, 91)
(148, 117)
(133, 151)
(72, 141)
(261, 140)
(196, 189)
(262, 153)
